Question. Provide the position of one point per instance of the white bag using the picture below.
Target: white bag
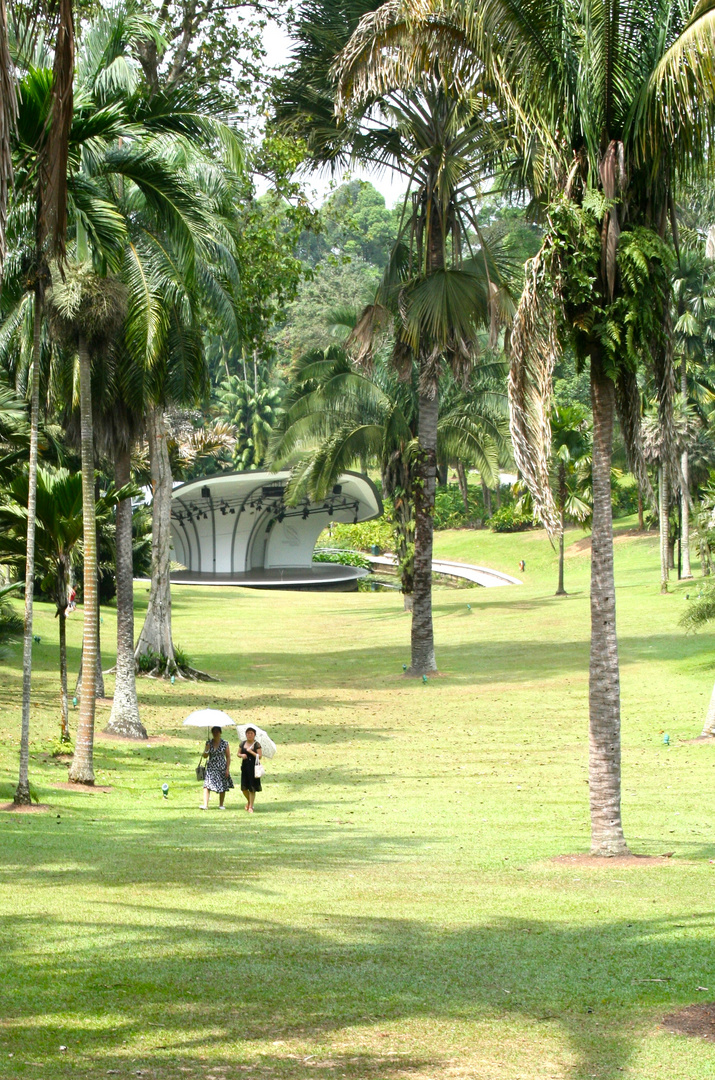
(258, 768)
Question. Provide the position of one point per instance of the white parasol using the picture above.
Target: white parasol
(208, 718)
(267, 745)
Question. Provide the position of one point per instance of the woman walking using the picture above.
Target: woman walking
(218, 768)
(251, 755)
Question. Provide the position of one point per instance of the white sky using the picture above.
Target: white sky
(277, 44)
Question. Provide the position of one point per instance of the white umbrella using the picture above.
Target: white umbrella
(208, 718)
(267, 745)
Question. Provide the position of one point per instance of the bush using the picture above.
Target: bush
(624, 496)
(509, 519)
(361, 536)
(343, 558)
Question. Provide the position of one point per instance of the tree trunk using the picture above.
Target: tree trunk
(99, 676)
(604, 683)
(709, 725)
(156, 632)
(22, 792)
(663, 507)
(62, 616)
(561, 591)
(124, 719)
(423, 658)
(487, 498)
(641, 522)
(687, 572)
(463, 485)
(442, 474)
(81, 769)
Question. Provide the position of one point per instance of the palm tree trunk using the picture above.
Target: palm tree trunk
(423, 658)
(99, 691)
(61, 615)
(487, 498)
(561, 591)
(156, 632)
(641, 521)
(463, 485)
(22, 792)
(604, 682)
(8, 114)
(663, 507)
(124, 719)
(81, 769)
(685, 489)
(709, 725)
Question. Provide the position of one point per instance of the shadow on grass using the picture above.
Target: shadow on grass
(208, 988)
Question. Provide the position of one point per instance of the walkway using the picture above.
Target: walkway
(480, 575)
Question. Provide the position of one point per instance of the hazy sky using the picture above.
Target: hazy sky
(277, 44)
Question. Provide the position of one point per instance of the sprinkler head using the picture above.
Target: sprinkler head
(165, 790)
(666, 739)
(173, 679)
(404, 667)
(37, 638)
(74, 702)
(424, 678)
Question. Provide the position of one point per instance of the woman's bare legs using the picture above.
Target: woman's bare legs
(247, 797)
(221, 797)
(206, 798)
(251, 800)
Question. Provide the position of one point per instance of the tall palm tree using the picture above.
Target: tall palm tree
(606, 107)
(88, 311)
(438, 291)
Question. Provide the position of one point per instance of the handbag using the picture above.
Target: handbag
(258, 768)
(200, 770)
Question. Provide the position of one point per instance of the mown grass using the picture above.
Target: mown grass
(392, 910)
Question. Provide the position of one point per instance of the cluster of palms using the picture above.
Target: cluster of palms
(598, 114)
(121, 235)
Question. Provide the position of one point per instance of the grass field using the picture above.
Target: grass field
(393, 909)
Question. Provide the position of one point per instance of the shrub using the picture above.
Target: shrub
(509, 519)
(343, 558)
(363, 535)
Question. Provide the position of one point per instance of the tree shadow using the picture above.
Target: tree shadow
(229, 987)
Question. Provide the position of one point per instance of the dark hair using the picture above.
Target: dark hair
(216, 728)
(249, 728)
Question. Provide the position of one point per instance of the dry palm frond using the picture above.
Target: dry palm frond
(8, 117)
(534, 351)
(362, 338)
(52, 225)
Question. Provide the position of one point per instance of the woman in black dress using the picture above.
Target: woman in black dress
(218, 768)
(250, 753)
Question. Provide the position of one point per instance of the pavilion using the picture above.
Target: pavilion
(237, 529)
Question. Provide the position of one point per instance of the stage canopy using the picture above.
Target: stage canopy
(236, 529)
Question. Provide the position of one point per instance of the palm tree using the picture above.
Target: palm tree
(605, 109)
(438, 291)
(59, 530)
(88, 312)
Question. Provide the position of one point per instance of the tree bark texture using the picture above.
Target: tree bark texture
(124, 718)
(463, 485)
(560, 590)
(64, 700)
(99, 677)
(423, 658)
(641, 521)
(663, 507)
(156, 632)
(709, 725)
(604, 681)
(685, 492)
(22, 792)
(82, 769)
(487, 496)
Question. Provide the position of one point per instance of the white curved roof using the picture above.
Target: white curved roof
(234, 523)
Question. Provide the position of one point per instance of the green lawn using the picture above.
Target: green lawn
(392, 910)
